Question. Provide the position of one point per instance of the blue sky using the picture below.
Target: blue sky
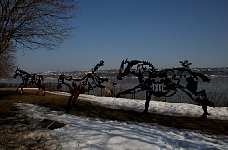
(160, 31)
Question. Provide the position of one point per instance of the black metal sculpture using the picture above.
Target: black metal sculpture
(165, 82)
(79, 86)
(30, 80)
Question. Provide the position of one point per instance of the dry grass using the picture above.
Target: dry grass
(55, 102)
(18, 135)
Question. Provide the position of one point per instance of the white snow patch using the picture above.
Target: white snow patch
(90, 133)
(165, 108)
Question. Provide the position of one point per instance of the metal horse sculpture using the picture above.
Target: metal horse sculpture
(79, 86)
(29, 80)
(165, 83)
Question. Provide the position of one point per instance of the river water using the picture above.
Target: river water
(217, 89)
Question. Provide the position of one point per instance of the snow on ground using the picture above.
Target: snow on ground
(174, 109)
(90, 133)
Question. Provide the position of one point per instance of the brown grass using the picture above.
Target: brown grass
(85, 108)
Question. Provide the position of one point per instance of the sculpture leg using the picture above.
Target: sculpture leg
(129, 91)
(201, 97)
(74, 100)
(208, 103)
(147, 103)
(19, 87)
(205, 102)
(68, 107)
(43, 88)
(205, 113)
(22, 92)
(38, 91)
(23, 85)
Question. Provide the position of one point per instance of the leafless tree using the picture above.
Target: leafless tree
(35, 24)
(7, 62)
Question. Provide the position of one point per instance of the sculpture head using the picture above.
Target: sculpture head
(16, 73)
(123, 69)
(101, 63)
(185, 64)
